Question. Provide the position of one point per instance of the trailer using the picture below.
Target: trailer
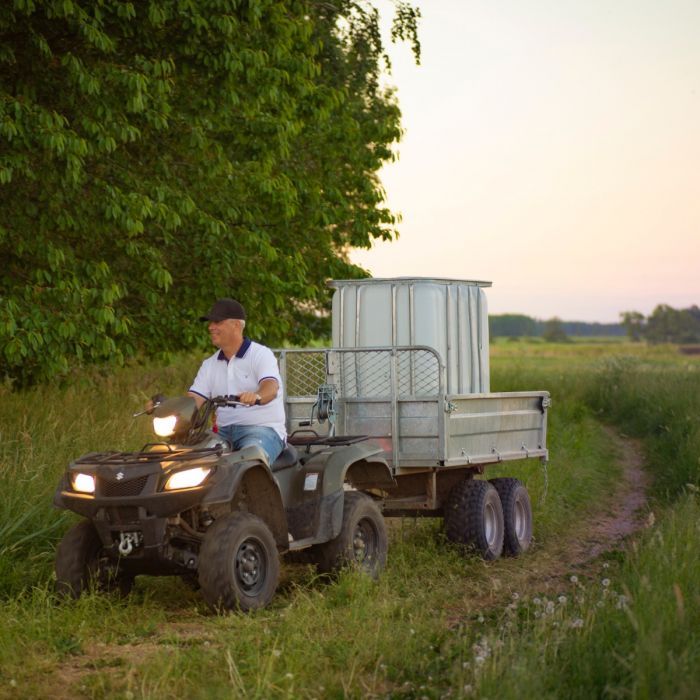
(409, 369)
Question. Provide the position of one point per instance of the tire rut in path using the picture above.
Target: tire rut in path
(624, 515)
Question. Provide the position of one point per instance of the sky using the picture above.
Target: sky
(553, 148)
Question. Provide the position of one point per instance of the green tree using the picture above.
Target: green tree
(158, 154)
(634, 323)
(669, 325)
(554, 331)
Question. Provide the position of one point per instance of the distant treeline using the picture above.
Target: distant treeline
(664, 325)
(517, 325)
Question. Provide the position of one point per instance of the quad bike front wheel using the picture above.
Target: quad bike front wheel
(80, 564)
(238, 563)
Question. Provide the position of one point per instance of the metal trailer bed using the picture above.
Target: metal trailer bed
(396, 395)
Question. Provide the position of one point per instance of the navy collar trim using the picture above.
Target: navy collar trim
(241, 351)
(244, 347)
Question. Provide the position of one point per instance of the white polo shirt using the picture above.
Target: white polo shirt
(220, 377)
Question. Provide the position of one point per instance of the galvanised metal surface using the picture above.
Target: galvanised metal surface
(447, 315)
(397, 395)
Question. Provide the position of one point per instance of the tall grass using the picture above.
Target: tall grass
(41, 430)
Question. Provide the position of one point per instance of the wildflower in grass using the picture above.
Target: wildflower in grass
(562, 599)
(621, 602)
(549, 608)
(605, 582)
(537, 614)
(277, 652)
(289, 676)
(578, 622)
(606, 565)
(467, 689)
(574, 579)
(479, 660)
(516, 596)
(466, 664)
(537, 601)
(481, 618)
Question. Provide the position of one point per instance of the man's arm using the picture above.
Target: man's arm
(199, 399)
(267, 391)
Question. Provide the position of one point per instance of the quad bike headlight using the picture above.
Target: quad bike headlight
(85, 483)
(187, 478)
(165, 426)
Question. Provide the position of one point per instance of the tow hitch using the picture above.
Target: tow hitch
(128, 541)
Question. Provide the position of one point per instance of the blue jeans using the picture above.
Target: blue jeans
(241, 436)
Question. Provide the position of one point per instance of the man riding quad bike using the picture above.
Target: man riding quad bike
(194, 507)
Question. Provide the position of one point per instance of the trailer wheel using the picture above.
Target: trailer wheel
(362, 541)
(474, 517)
(79, 564)
(238, 563)
(517, 515)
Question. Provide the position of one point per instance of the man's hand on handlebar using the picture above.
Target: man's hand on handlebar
(250, 398)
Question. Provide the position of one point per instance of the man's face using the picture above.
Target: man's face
(224, 333)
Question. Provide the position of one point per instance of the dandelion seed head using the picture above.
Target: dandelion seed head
(578, 622)
(605, 582)
(516, 596)
(289, 676)
(277, 652)
(573, 578)
(481, 618)
(606, 565)
(562, 599)
(479, 659)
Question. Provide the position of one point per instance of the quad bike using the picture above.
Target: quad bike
(220, 518)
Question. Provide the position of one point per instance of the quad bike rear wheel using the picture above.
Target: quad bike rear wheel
(362, 541)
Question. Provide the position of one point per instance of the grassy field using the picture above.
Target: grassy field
(436, 624)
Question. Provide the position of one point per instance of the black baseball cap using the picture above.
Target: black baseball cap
(223, 309)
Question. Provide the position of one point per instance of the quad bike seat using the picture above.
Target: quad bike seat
(288, 458)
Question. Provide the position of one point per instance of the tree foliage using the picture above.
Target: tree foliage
(669, 325)
(554, 331)
(156, 155)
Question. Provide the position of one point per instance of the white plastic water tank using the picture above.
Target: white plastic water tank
(450, 316)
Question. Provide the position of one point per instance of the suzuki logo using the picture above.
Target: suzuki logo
(119, 476)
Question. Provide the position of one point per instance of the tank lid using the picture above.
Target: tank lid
(406, 280)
